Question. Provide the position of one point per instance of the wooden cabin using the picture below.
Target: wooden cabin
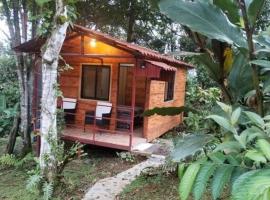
(110, 85)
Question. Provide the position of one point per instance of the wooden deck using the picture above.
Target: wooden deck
(112, 140)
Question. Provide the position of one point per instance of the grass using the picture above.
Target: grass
(78, 176)
(158, 187)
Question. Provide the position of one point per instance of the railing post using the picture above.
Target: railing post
(133, 105)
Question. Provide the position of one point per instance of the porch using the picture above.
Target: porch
(122, 141)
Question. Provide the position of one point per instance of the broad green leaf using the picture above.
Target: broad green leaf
(233, 159)
(237, 172)
(263, 63)
(211, 66)
(254, 9)
(202, 179)
(217, 157)
(225, 107)
(256, 156)
(255, 118)
(241, 74)
(230, 8)
(223, 122)
(251, 185)
(187, 181)
(181, 170)
(264, 147)
(237, 189)
(189, 145)
(220, 179)
(229, 146)
(205, 18)
(267, 118)
(235, 115)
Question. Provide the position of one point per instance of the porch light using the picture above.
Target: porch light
(93, 43)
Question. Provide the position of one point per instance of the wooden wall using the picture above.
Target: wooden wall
(156, 125)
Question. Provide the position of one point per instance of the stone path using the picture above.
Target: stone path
(108, 188)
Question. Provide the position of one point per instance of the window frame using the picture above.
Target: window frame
(96, 66)
(170, 99)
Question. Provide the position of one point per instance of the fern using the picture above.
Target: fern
(33, 182)
(202, 178)
(253, 185)
(8, 160)
(47, 190)
(188, 180)
(221, 177)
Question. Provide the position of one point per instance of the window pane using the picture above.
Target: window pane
(88, 82)
(103, 83)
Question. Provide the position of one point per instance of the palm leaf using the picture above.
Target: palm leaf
(221, 177)
(202, 178)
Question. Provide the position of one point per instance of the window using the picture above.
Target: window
(95, 82)
(168, 77)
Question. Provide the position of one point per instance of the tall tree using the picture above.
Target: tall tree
(50, 55)
(133, 20)
(16, 15)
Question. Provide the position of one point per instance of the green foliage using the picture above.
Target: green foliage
(37, 183)
(187, 181)
(253, 185)
(189, 145)
(3, 104)
(10, 160)
(202, 179)
(213, 23)
(47, 190)
(241, 147)
(220, 179)
(126, 156)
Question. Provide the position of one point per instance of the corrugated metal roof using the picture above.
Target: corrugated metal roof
(162, 65)
(139, 51)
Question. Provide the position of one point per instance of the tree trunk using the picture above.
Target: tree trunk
(13, 134)
(131, 22)
(48, 129)
(17, 21)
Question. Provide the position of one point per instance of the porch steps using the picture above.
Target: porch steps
(158, 147)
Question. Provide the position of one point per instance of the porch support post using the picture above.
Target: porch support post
(133, 105)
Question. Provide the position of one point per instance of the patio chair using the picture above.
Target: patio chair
(69, 107)
(103, 111)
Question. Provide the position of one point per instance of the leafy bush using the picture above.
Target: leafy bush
(126, 156)
(38, 184)
(238, 156)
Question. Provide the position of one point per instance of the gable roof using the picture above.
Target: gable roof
(34, 46)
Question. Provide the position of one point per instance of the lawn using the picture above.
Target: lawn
(78, 176)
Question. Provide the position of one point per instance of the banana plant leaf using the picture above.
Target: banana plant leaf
(205, 18)
(230, 8)
(240, 75)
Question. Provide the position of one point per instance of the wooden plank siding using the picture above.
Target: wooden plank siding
(156, 125)
(149, 93)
